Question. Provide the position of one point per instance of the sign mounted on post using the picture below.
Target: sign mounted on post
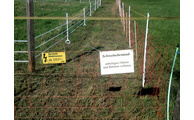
(116, 62)
(53, 57)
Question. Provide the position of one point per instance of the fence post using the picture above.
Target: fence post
(67, 41)
(30, 35)
(90, 10)
(80, 1)
(135, 38)
(129, 29)
(126, 24)
(97, 3)
(145, 48)
(95, 6)
(119, 11)
(169, 86)
(100, 2)
(84, 17)
(123, 16)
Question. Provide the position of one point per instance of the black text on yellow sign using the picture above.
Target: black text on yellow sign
(53, 57)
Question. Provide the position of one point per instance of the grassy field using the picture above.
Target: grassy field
(164, 32)
(43, 9)
(76, 89)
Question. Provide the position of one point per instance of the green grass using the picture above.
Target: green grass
(164, 32)
(81, 67)
(43, 9)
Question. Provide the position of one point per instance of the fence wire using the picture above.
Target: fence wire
(87, 14)
(76, 90)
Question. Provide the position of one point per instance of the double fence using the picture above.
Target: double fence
(73, 27)
(77, 90)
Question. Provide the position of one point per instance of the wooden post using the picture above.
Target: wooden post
(30, 35)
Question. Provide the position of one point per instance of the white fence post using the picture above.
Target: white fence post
(67, 41)
(129, 29)
(80, 1)
(100, 2)
(135, 38)
(84, 17)
(119, 11)
(123, 16)
(90, 9)
(126, 24)
(95, 6)
(97, 3)
(144, 63)
(119, 4)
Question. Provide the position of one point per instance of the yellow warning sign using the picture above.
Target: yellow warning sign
(53, 57)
